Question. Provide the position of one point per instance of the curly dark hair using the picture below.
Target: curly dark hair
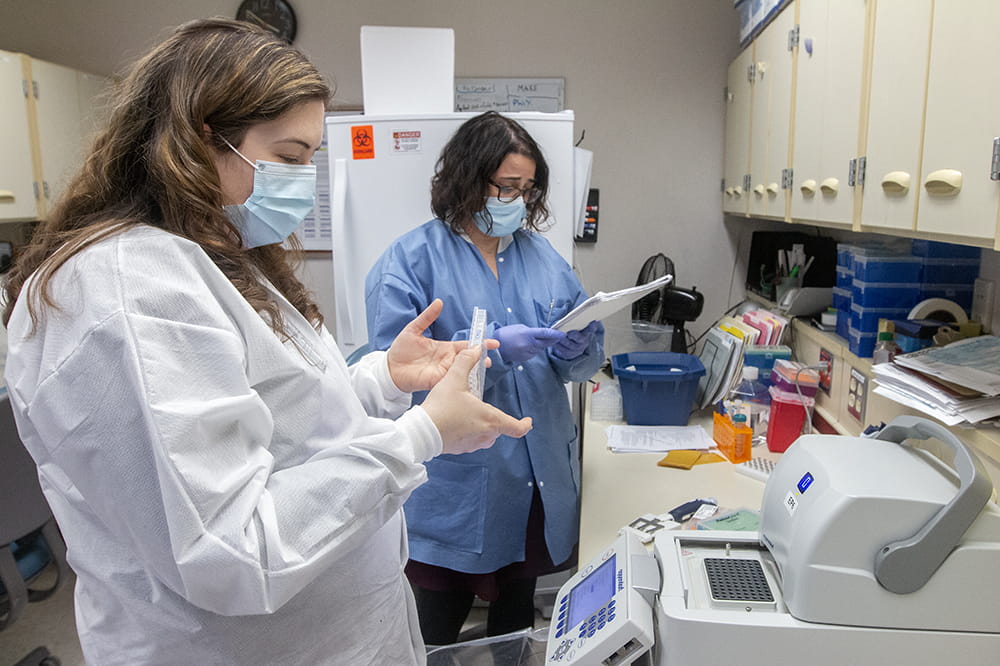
(468, 162)
(153, 162)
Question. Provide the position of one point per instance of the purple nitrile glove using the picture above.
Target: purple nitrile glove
(576, 342)
(519, 342)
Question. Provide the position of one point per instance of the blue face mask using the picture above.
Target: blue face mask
(507, 217)
(283, 195)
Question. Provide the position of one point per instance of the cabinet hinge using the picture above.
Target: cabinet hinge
(45, 188)
(746, 182)
(37, 191)
(852, 168)
(786, 179)
(751, 72)
(24, 87)
(862, 163)
(34, 88)
(722, 185)
(995, 163)
(793, 38)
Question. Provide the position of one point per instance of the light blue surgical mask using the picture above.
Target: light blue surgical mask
(507, 217)
(283, 195)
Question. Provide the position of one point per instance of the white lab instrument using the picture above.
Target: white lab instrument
(871, 551)
(477, 331)
(604, 613)
(380, 184)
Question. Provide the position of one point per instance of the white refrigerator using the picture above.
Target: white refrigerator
(380, 178)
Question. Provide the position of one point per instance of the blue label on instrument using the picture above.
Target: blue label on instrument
(805, 482)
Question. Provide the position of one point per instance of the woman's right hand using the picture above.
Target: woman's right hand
(465, 422)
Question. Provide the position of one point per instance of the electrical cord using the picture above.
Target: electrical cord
(802, 398)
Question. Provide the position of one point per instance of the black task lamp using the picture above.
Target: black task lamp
(670, 305)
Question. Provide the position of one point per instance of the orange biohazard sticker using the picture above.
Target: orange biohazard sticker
(362, 142)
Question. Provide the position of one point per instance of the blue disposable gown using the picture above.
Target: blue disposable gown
(472, 513)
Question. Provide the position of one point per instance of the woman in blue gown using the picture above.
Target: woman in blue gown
(489, 523)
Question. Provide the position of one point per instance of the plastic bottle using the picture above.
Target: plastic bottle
(742, 439)
(753, 394)
(885, 348)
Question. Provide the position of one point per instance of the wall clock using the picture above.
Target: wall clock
(274, 15)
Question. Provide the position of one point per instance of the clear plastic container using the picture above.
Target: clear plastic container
(753, 393)
(606, 401)
(793, 377)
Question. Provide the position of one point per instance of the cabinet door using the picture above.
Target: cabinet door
(827, 108)
(739, 97)
(957, 196)
(900, 45)
(57, 106)
(770, 118)
(17, 189)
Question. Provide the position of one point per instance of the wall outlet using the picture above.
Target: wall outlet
(982, 301)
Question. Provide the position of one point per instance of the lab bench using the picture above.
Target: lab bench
(618, 487)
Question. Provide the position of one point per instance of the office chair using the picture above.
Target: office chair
(29, 538)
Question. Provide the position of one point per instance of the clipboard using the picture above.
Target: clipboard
(602, 305)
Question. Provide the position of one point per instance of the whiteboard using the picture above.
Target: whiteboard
(510, 94)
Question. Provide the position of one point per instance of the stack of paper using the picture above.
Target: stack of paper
(722, 356)
(602, 305)
(956, 384)
(657, 439)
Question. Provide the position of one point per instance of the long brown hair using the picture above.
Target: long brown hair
(153, 163)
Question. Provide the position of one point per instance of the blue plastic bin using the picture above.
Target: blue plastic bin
(887, 269)
(658, 388)
(865, 320)
(884, 294)
(861, 344)
(926, 248)
(960, 293)
(950, 271)
(843, 323)
(842, 298)
(845, 276)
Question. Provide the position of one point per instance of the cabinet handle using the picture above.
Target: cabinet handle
(896, 182)
(808, 187)
(943, 182)
(759, 191)
(729, 191)
(772, 189)
(738, 191)
(829, 186)
(6, 196)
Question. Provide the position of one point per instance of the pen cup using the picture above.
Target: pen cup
(785, 285)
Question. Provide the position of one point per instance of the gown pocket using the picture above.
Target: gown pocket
(450, 509)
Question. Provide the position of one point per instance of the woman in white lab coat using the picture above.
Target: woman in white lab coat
(228, 488)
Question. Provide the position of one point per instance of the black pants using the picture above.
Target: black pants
(442, 614)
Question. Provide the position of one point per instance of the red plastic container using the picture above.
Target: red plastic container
(788, 415)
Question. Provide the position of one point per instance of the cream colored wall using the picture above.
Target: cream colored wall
(645, 78)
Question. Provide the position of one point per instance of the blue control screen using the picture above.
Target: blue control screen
(592, 592)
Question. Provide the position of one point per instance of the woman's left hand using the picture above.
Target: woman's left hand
(416, 362)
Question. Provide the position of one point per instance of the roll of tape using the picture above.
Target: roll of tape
(940, 309)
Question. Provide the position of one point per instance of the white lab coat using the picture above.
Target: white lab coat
(227, 497)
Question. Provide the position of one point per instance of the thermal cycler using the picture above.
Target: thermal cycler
(870, 551)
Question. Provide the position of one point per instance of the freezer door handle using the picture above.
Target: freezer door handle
(341, 279)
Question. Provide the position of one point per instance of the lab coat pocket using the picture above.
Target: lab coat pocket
(450, 509)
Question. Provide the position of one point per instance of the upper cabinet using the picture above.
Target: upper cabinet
(957, 195)
(48, 115)
(893, 127)
(828, 84)
(739, 97)
(892, 153)
(770, 118)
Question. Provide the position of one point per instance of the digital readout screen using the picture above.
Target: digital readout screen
(592, 592)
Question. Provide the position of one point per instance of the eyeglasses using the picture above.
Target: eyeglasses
(507, 194)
